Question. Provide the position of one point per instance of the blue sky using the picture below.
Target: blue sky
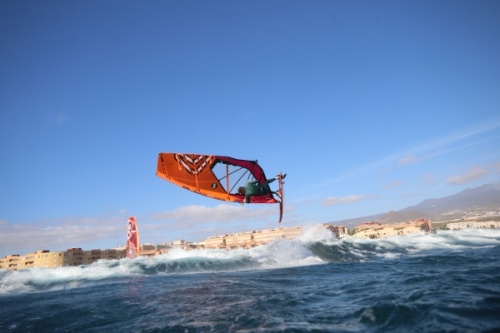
(368, 106)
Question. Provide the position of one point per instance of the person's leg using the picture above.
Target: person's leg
(265, 188)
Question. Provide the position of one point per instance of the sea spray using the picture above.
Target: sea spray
(448, 281)
(313, 247)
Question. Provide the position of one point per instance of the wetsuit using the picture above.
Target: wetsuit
(254, 188)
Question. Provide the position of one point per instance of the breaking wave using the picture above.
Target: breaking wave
(315, 246)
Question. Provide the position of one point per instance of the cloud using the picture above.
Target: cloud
(60, 235)
(220, 213)
(434, 147)
(333, 201)
(429, 179)
(195, 222)
(410, 159)
(448, 143)
(393, 184)
(470, 175)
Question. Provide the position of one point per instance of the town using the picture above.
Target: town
(369, 230)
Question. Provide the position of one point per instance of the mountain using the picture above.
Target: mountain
(480, 197)
(477, 201)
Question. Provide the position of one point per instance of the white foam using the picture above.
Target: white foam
(284, 253)
(420, 244)
(316, 233)
(279, 254)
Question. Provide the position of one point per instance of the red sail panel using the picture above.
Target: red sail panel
(197, 173)
(132, 238)
(252, 166)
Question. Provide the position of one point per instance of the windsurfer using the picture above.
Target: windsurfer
(254, 188)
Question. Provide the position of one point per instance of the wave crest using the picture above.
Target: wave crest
(313, 247)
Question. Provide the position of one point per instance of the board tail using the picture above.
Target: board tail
(281, 195)
(132, 238)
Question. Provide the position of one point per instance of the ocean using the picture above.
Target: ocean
(443, 282)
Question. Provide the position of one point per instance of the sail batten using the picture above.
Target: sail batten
(214, 176)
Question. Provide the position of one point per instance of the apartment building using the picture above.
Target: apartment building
(47, 259)
(377, 230)
(251, 238)
(473, 224)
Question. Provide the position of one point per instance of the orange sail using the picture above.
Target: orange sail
(217, 177)
(132, 238)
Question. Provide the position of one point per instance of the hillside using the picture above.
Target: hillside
(474, 201)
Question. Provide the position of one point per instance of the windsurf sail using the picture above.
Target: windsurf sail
(132, 238)
(217, 177)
